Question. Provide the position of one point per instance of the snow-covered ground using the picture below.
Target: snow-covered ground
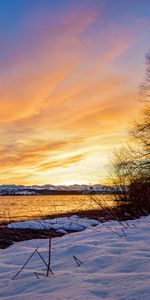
(114, 266)
(62, 225)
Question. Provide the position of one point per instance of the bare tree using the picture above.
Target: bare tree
(131, 164)
(145, 86)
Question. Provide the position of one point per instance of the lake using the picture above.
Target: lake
(21, 208)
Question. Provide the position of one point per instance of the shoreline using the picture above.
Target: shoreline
(8, 236)
(59, 193)
(98, 214)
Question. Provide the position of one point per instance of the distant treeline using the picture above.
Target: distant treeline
(32, 192)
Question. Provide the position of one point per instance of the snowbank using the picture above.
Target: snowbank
(73, 223)
(114, 267)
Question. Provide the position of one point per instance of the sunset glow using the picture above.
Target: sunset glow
(69, 76)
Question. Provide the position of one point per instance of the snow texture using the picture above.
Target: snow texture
(115, 266)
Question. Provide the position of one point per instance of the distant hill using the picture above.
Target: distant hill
(49, 189)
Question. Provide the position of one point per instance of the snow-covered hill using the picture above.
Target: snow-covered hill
(35, 189)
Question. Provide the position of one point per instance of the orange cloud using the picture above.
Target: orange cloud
(65, 97)
(63, 163)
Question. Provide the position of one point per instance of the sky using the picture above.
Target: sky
(69, 78)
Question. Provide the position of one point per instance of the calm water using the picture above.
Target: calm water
(28, 207)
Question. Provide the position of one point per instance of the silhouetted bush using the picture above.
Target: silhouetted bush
(131, 163)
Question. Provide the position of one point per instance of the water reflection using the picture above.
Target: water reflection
(29, 207)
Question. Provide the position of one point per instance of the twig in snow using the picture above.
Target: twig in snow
(45, 262)
(49, 258)
(78, 261)
(25, 264)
